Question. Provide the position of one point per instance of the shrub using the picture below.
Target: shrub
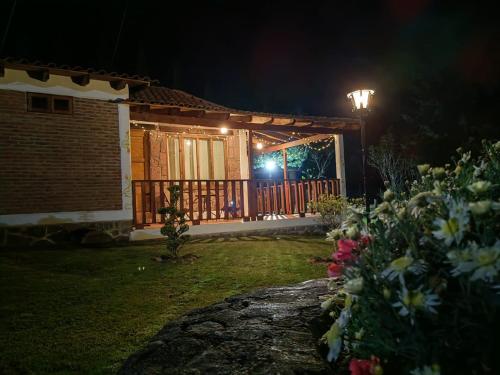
(333, 208)
(394, 167)
(175, 223)
(421, 279)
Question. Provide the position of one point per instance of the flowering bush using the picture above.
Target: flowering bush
(420, 284)
(333, 208)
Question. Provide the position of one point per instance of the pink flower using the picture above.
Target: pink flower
(365, 366)
(365, 240)
(360, 367)
(334, 270)
(347, 245)
(344, 251)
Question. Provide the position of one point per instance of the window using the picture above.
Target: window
(190, 159)
(50, 103)
(173, 159)
(219, 161)
(201, 159)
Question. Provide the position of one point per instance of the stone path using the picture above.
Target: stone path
(270, 331)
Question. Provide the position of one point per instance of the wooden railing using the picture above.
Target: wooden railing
(227, 199)
(292, 196)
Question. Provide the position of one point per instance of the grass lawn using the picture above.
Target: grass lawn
(85, 310)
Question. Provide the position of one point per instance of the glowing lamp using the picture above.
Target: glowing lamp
(361, 99)
(188, 143)
(259, 146)
(223, 130)
(270, 165)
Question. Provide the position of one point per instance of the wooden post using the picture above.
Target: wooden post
(285, 167)
(252, 188)
(285, 182)
(340, 163)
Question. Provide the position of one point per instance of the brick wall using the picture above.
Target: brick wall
(233, 158)
(58, 162)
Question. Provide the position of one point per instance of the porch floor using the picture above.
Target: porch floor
(231, 227)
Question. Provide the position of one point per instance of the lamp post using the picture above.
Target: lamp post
(361, 104)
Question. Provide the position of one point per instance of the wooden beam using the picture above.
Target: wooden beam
(310, 123)
(303, 141)
(118, 84)
(241, 118)
(281, 122)
(272, 137)
(183, 128)
(192, 113)
(211, 123)
(166, 110)
(40, 74)
(82, 80)
(217, 115)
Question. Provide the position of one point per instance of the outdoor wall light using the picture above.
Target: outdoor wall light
(361, 104)
(259, 146)
(223, 130)
(361, 99)
(270, 165)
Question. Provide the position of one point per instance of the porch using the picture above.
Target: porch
(217, 201)
(208, 151)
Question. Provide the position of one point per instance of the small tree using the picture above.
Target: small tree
(175, 223)
(396, 170)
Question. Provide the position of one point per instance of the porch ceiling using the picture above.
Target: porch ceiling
(161, 105)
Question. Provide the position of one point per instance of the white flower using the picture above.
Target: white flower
(488, 264)
(333, 337)
(438, 173)
(334, 235)
(327, 304)
(479, 187)
(402, 264)
(388, 195)
(354, 286)
(452, 229)
(412, 300)
(418, 202)
(480, 207)
(427, 370)
(479, 170)
(423, 168)
(352, 232)
(481, 263)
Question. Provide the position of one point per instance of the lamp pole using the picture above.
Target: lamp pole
(362, 123)
(361, 103)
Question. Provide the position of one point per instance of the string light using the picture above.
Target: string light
(316, 145)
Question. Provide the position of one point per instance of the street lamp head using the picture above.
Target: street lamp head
(361, 99)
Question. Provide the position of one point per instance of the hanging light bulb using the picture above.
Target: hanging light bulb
(259, 146)
(223, 130)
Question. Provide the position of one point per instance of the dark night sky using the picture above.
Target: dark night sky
(277, 56)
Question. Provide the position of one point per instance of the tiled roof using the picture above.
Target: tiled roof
(157, 95)
(26, 64)
(167, 96)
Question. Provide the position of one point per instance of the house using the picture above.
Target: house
(88, 155)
